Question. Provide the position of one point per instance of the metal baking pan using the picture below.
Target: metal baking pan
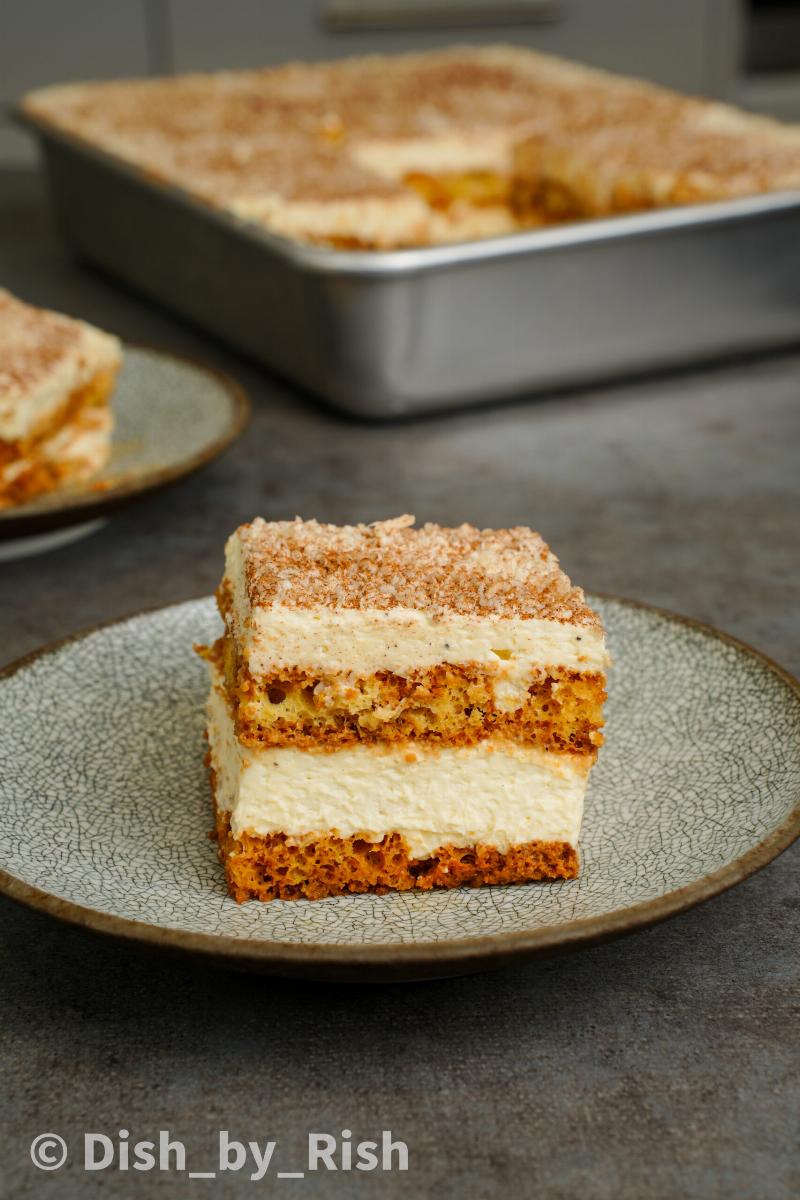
(386, 334)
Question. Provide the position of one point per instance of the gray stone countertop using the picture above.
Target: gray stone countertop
(663, 1065)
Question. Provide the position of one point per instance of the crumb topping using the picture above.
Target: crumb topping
(32, 342)
(393, 564)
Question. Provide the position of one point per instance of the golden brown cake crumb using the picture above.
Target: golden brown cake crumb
(450, 704)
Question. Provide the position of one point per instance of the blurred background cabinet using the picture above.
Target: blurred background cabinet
(674, 41)
(747, 51)
(45, 41)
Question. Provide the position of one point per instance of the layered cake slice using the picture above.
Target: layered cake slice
(56, 377)
(394, 707)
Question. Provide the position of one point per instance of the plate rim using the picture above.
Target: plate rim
(387, 960)
(85, 505)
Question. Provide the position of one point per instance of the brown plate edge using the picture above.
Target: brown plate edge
(387, 962)
(87, 506)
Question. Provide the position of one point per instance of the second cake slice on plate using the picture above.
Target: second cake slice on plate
(396, 708)
(57, 375)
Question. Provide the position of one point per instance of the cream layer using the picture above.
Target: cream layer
(492, 150)
(495, 793)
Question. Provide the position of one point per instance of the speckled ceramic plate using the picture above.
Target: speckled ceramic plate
(171, 416)
(105, 809)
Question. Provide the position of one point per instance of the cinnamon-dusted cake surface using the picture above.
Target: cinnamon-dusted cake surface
(394, 564)
(390, 151)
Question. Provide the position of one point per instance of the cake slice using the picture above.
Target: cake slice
(56, 377)
(394, 707)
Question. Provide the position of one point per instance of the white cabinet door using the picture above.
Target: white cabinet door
(688, 44)
(50, 41)
(42, 41)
